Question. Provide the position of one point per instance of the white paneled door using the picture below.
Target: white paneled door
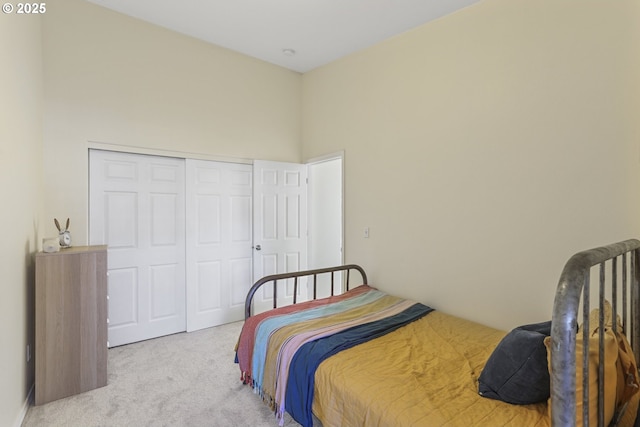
(137, 208)
(280, 226)
(187, 238)
(219, 237)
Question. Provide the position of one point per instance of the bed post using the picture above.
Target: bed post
(574, 281)
(563, 346)
(635, 303)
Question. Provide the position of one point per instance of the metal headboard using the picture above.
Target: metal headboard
(573, 291)
(295, 275)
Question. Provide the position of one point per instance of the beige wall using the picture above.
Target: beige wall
(114, 79)
(486, 148)
(21, 194)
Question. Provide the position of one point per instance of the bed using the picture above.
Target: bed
(366, 358)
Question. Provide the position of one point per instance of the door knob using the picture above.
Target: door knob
(258, 247)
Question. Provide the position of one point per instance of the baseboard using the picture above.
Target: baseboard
(25, 408)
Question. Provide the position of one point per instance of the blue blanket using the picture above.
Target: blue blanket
(301, 380)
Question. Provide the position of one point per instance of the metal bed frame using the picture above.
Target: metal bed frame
(295, 275)
(573, 293)
(574, 290)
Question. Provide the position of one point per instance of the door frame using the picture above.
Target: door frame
(311, 163)
(132, 149)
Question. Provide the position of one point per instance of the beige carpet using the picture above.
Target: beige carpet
(186, 379)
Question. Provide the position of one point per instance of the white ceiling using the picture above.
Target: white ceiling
(319, 31)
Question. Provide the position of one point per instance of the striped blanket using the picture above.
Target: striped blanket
(279, 351)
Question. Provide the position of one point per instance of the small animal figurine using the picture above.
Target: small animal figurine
(64, 236)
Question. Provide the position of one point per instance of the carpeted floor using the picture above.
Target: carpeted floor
(187, 379)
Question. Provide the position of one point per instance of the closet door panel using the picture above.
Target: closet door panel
(219, 238)
(137, 208)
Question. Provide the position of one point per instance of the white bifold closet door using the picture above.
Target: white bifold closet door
(219, 238)
(137, 208)
(179, 235)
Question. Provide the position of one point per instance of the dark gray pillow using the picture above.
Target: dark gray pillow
(517, 370)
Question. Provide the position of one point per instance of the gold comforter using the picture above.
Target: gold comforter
(426, 374)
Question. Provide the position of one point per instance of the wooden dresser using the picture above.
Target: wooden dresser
(71, 322)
